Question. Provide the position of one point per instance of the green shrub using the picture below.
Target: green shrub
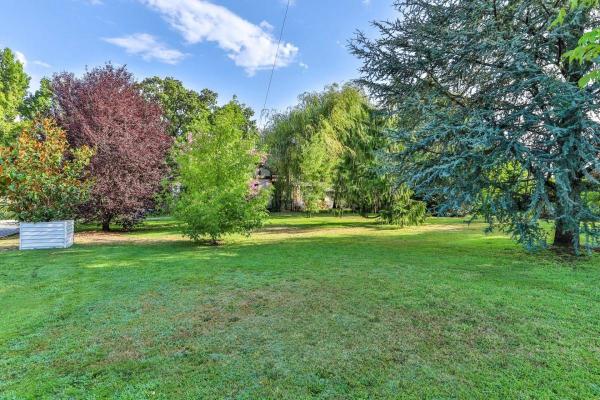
(218, 194)
(41, 178)
(403, 209)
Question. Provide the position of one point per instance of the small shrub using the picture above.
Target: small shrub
(42, 179)
(403, 209)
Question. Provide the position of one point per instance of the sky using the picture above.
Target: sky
(225, 45)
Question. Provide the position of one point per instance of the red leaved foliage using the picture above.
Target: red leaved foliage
(105, 110)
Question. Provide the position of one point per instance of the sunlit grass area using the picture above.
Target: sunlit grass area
(321, 307)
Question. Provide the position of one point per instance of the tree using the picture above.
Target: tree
(402, 209)
(13, 88)
(184, 109)
(503, 126)
(44, 179)
(106, 111)
(217, 170)
(39, 104)
(304, 148)
(330, 142)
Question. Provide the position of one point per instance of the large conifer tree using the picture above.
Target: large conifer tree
(497, 120)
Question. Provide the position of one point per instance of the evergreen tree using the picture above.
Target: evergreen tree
(498, 121)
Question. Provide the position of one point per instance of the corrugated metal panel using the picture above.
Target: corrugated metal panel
(46, 235)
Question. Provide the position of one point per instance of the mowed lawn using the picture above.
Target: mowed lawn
(324, 307)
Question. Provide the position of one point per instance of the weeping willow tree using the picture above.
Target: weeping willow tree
(331, 144)
(500, 123)
(303, 151)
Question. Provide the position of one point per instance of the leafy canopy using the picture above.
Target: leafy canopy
(44, 179)
(184, 109)
(588, 47)
(39, 104)
(329, 144)
(13, 88)
(105, 110)
(218, 194)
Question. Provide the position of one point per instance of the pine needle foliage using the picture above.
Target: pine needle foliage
(492, 117)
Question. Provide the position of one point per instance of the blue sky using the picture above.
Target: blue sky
(225, 45)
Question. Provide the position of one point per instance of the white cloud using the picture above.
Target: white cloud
(42, 64)
(303, 65)
(21, 58)
(250, 46)
(148, 47)
(266, 26)
(366, 2)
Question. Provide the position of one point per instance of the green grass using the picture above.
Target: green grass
(307, 308)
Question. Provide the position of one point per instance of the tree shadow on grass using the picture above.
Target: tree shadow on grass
(428, 245)
(160, 241)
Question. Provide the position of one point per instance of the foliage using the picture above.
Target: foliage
(306, 145)
(13, 87)
(216, 173)
(106, 111)
(315, 169)
(184, 109)
(39, 104)
(402, 209)
(484, 87)
(329, 144)
(44, 178)
(588, 47)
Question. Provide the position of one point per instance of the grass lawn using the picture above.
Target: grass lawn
(306, 308)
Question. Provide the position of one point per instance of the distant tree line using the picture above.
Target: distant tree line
(105, 148)
(483, 108)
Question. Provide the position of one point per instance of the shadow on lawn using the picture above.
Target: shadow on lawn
(158, 225)
(164, 232)
(284, 248)
(159, 240)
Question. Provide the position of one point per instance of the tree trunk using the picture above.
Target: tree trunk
(106, 225)
(565, 238)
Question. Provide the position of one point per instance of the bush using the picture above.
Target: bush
(403, 210)
(42, 179)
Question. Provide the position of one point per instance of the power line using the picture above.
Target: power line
(262, 112)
